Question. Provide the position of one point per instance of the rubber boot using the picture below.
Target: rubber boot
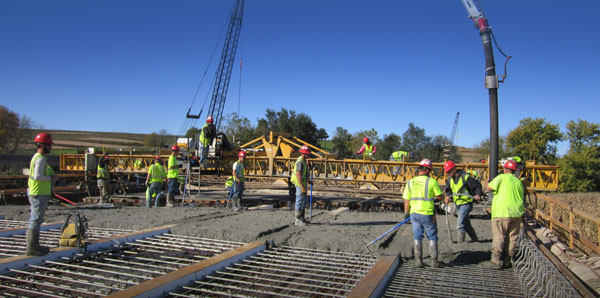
(494, 263)
(302, 216)
(298, 222)
(236, 204)
(461, 237)
(507, 262)
(33, 244)
(419, 253)
(433, 252)
(472, 234)
(170, 198)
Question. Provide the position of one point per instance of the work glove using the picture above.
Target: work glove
(304, 191)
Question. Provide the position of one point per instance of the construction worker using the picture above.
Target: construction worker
(238, 184)
(399, 156)
(173, 174)
(462, 189)
(519, 166)
(507, 211)
(154, 180)
(208, 133)
(367, 149)
(300, 180)
(103, 178)
(41, 177)
(420, 193)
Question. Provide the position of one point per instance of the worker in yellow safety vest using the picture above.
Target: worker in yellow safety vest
(41, 177)
(103, 178)
(173, 174)
(154, 181)
(420, 194)
(367, 149)
(399, 156)
(300, 180)
(507, 212)
(238, 181)
(208, 133)
(462, 189)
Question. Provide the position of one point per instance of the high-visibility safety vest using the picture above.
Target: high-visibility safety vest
(172, 173)
(421, 192)
(138, 164)
(459, 187)
(157, 173)
(508, 196)
(399, 155)
(239, 171)
(368, 151)
(304, 177)
(39, 188)
(103, 173)
(204, 141)
(472, 173)
(516, 158)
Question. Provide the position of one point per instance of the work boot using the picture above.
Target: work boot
(302, 216)
(419, 253)
(170, 198)
(472, 234)
(33, 244)
(507, 262)
(433, 252)
(298, 222)
(495, 263)
(236, 204)
(461, 237)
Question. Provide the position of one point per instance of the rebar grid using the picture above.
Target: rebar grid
(285, 272)
(107, 271)
(537, 275)
(454, 280)
(9, 224)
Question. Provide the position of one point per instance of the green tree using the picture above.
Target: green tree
(341, 142)
(580, 167)
(483, 148)
(239, 130)
(435, 149)
(13, 130)
(299, 125)
(192, 132)
(158, 139)
(416, 142)
(535, 139)
(389, 144)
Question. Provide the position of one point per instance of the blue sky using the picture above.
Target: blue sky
(134, 66)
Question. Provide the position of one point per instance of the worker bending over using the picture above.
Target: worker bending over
(156, 176)
(238, 184)
(173, 175)
(507, 211)
(420, 194)
(41, 176)
(208, 133)
(399, 156)
(300, 180)
(462, 189)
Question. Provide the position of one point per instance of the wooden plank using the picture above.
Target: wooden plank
(374, 282)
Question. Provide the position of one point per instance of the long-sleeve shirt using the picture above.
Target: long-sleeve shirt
(362, 149)
(38, 174)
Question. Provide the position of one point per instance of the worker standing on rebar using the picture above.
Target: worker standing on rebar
(41, 177)
(154, 181)
(420, 194)
(507, 211)
(103, 178)
(208, 133)
(238, 178)
(300, 180)
(462, 189)
(173, 174)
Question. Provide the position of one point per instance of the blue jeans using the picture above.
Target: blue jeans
(238, 190)
(422, 222)
(38, 209)
(463, 223)
(173, 186)
(300, 199)
(203, 153)
(155, 188)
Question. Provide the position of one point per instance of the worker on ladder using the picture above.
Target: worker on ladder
(156, 176)
(41, 176)
(420, 194)
(462, 189)
(238, 181)
(173, 174)
(208, 133)
(300, 180)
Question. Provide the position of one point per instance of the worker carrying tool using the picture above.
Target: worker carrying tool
(207, 135)
(420, 194)
(399, 156)
(41, 178)
(103, 178)
(462, 189)
(507, 212)
(300, 180)
(157, 175)
(173, 174)
(368, 150)
(238, 181)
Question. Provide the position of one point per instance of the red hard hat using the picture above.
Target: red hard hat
(426, 163)
(511, 164)
(43, 137)
(242, 154)
(106, 157)
(366, 139)
(449, 165)
(175, 148)
(209, 119)
(305, 149)
(157, 158)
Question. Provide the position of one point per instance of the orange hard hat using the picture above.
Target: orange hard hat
(175, 148)
(426, 163)
(209, 119)
(43, 137)
(511, 164)
(305, 149)
(366, 139)
(449, 165)
(242, 154)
